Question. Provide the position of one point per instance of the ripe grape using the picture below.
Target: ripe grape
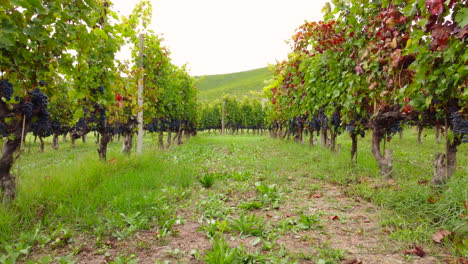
(28, 109)
(315, 123)
(459, 126)
(336, 119)
(3, 130)
(7, 89)
(41, 127)
(39, 99)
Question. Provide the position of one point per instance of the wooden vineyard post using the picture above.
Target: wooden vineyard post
(140, 99)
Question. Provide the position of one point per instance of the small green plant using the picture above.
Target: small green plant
(327, 255)
(307, 222)
(213, 207)
(241, 176)
(207, 180)
(133, 223)
(269, 242)
(220, 253)
(214, 227)
(248, 225)
(131, 259)
(251, 205)
(13, 252)
(43, 260)
(68, 259)
(62, 236)
(269, 194)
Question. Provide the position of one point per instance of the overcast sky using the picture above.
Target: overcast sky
(221, 36)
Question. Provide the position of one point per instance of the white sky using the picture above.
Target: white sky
(221, 36)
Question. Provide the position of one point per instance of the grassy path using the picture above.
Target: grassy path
(241, 199)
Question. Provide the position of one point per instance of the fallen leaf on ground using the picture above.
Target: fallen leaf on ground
(460, 260)
(440, 234)
(316, 195)
(431, 200)
(333, 217)
(417, 250)
(391, 181)
(352, 261)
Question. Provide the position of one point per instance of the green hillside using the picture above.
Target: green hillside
(212, 87)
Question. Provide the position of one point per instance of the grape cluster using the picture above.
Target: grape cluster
(7, 89)
(315, 123)
(55, 126)
(158, 125)
(336, 119)
(39, 99)
(41, 127)
(81, 127)
(42, 83)
(459, 126)
(351, 127)
(28, 109)
(394, 128)
(58, 128)
(100, 90)
(324, 120)
(3, 129)
(125, 128)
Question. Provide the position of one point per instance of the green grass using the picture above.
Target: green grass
(66, 192)
(239, 84)
(71, 187)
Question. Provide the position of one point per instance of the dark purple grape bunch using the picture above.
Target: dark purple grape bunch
(28, 108)
(315, 123)
(351, 127)
(4, 129)
(459, 126)
(336, 119)
(39, 100)
(6, 88)
(393, 128)
(99, 90)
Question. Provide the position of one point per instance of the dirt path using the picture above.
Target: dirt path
(344, 228)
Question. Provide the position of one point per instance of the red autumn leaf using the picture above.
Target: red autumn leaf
(118, 97)
(407, 109)
(422, 182)
(417, 250)
(435, 7)
(440, 234)
(315, 195)
(359, 69)
(333, 217)
(431, 200)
